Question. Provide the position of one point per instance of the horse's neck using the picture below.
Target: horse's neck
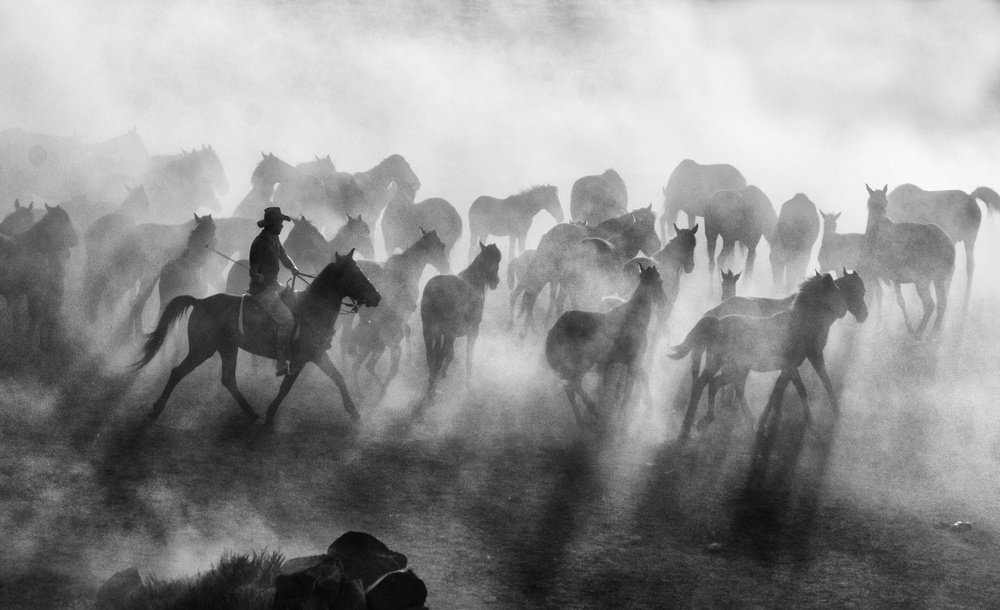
(475, 278)
(262, 186)
(406, 267)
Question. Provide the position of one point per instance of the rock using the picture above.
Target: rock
(351, 597)
(119, 587)
(364, 556)
(308, 582)
(396, 591)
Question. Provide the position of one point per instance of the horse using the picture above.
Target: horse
(225, 324)
(306, 246)
(517, 270)
(689, 187)
(185, 183)
(32, 265)
(300, 191)
(374, 183)
(341, 193)
(355, 235)
(581, 340)
(794, 237)
(595, 199)
(908, 253)
(954, 211)
(18, 221)
(452, 307)
(735, 345)
(843, 251)
(511, 216)
(729, 280)
(403, 219)
(386, 327)
(743, 216)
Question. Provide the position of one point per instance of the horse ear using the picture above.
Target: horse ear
(196, 219)
(870, 191)
(47, 208)
(676, 230)
(329, 159)
(315, 156)
(649, 208)
(17, 204)
(837, 215)
(31, 206)
(885, 189)
(262, 155)
(422, 232)
(737, 276)
(350, 254)
(694, 230)
(642, 269)
(481, 246)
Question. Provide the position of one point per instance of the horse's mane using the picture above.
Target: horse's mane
(813, 289)
(531, 190)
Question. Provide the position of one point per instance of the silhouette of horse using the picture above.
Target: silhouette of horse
(355, 235)
(689, 187)
(85, 212)
(729, 280)
(32, 265)
(511, 216)
(18, 221)
(452, 307)
(843, 251)
(386, 327)
(735, 345)
(403, 219)
(676, 258)
(342, 195)
(300, 191)
(595, 199)
(374, 183)
(954, 211)
(794, 236)
(742, 216)
(581, 340)
(908, 253)
(225, 324)
(185, 183)
(307, 247)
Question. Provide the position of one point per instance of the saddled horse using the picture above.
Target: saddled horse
(225, 324)
(794, 237)
(511, 216)
(355, 235)
(386, 327)
(689, 187)
(404, 219)
(452, 307)
(189, 181)
(908, 253)
(743, 216)
(18, 221)
(582, 340)
(32, 266)
(595, 199)
(300, 191)
(735, 345)
(954, 211)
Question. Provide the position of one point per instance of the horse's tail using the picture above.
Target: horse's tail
(695, 339)
(154, 340)
(989, 197)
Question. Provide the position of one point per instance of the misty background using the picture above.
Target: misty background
(487, 98)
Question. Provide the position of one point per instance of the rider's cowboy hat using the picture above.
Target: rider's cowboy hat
(271, 216)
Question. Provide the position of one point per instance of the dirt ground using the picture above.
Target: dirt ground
(498, 500)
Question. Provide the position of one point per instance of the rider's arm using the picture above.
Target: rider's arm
(285, 260)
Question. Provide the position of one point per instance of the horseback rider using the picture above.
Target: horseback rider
(265, 254)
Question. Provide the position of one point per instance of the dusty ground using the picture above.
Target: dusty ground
(497, 499)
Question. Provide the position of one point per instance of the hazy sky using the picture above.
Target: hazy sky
(490, 97)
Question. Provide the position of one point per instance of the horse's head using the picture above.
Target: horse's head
(852, 288)
(432, 250)
(487, 263)
(212, 168)
(398, 170)
(829, 222)
(550, 202)
(272, 170)
(345, 277)
(55, 230)
(319, 167)
(684, 241)
(729, 280)
(643, 231)
(878, 203)
(137, 199)
(305, 235)
(651, 285)
(820, 294)
(358, 233)
(203, 233)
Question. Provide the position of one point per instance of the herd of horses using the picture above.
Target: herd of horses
(603, 251)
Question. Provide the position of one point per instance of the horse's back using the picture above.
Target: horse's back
(449, 305)
(798, 224)
(691, 183)
(919, 250)
(575, 341)
(954, 211)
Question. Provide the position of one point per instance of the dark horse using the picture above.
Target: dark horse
(595, 199)
(404, 219)
(735, 345)
(908, 253)
(689, 187)
(452, 307)
(954, 211)
(511, 216)
(18, 221)
(581, 340)
(32, 265)
(742, 216)
(185, 182)
(225, 324)
(794, 237)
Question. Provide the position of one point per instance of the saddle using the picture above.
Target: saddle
(253, 315)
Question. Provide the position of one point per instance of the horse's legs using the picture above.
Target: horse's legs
(286, 386)
(470, 346)
(970, 268)
(710, 240)
(229, 357)
(924, 292)
(325, 365)
(801, 389)
(751, 259)
(191, 362)
(741, 394)
(897, 287)
(395, 355)
(941, 289)
(528, 308)
(696, 390)
(726, 256)
(819, 364)
(448, 354)
(773, 403)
